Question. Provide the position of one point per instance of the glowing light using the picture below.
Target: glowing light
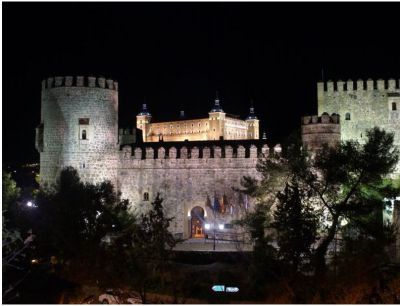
(218, 288)
(232, 289)
(221, 226)
(188, 213)
(34, 261)
(30, 204)
(207, 226)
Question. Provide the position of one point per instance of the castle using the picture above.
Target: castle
(196, 165)
(79, 128)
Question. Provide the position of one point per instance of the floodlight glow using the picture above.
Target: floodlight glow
(232, 289)
(207, 226)
(221, 226)
(29, 204)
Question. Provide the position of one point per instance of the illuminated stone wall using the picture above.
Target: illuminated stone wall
(187, 176)
(362, 105)
(178, 130)
(217, 125)
(79, 128)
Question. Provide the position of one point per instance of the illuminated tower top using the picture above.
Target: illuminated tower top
(144, 111)
(251, 114)
(217, 107)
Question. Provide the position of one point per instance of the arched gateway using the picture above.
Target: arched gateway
(197, 222)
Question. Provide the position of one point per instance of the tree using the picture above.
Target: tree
(296, 223)
(72, 220)
(343, 182)
(149, 251)
(347, 181)
(14, 246)
(11, 191)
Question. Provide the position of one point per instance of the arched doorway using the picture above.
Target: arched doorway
(197, 222)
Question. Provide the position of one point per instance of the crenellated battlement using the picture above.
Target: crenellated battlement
(319, 130)
(79, 81)
(325, 118)
(188, 152)
(358, 85)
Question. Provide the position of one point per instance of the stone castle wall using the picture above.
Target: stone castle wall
(362, 105)
(188, 176)
(79, 128)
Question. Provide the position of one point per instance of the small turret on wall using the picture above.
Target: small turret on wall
(317, 131)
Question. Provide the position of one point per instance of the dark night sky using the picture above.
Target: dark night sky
(180, 53)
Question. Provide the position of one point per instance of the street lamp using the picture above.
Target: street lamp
(30, 204)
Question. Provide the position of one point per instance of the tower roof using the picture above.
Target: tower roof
(144, 111)
(217, 107)
(251, 114)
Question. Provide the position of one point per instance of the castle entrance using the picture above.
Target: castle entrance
(197, 222)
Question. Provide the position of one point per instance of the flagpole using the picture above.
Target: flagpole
(214, 224)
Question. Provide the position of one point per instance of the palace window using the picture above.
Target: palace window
(83, 134)
(146, 196)
(347, 116)
(394, 106)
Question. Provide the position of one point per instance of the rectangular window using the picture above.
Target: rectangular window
(84, 121)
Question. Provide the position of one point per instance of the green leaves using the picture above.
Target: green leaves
(296, 225)
(75, 217)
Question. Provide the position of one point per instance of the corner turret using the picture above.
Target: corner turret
(216, 120)
(143, 120)
(217, 107)
(252, 124)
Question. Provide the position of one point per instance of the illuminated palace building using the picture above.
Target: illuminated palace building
(218, 125)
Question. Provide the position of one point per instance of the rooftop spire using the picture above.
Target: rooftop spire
(182, 113)
(264, 135)
(251, 114)
(217, 106)
(144, 111)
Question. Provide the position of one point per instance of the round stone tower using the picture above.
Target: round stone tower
(317, 131)
(79, 128)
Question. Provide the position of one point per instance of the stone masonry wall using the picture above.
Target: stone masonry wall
(188, 180)
(80, 128)
(368, 103)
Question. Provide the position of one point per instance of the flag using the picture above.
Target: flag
(216, 205)
(246, 202)
(208, 203)
(224, 204)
